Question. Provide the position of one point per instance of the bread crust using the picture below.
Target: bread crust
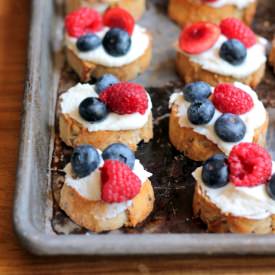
(135, 7)
(87, 69)
(190, 71)
(272, 55)
(89, 214)
(74, 134)
(220, 222)
(190, 11)
(196, 146)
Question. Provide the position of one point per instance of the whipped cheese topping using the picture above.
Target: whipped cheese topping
(100, 6)
(71, 100)
(90, 187)
(252, 119)
(248, 202)
(210, 60)
(140, 42)
(240, 4)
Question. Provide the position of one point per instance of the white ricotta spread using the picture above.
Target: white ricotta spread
(140, 42)
(240, 4)
(70, 101)
(248, 202)
(252, 119)
(90, 187)
(210, 60)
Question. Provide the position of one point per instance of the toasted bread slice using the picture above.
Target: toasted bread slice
(90, 214)
(220, 222)
(135, 7)
(190, 71)
(73, 134)
(191, 11)
(87, 69)
(196, 146)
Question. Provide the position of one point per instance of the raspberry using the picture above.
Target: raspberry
(119, 182)
(229, 99)
(249, 165)
(82, 21)
(119, 18)
(125, 98)
(235, 28)
(198, 37)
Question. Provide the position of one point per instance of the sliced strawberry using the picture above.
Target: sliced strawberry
(198, 37)
(119, 18)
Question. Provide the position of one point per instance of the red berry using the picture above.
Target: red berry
(235, 28)
(198, 37)
(82, 21)
(118, 182)
(229, 99)
(249, 165)
(125, 98)
(119, 18)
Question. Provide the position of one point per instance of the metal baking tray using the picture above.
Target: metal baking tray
(171, 229)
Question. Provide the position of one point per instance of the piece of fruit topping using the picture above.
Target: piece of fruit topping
(119, 182)
(83, 21)
(84, 160)
(92, 109)
(233, 51)
(249, 165)
(119, 18)
(125, 98)
(198, 37)
(104, 82)
(121, 152)
(230, 99)
(88, 42)
(271, 187)
(230, 128)
(200, 111)
(234, 28)
(215, 171)
(117, 42)
(196, 91)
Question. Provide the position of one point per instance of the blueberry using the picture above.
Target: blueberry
(196, 91)
(92, 109)
(116, 42)
(121, 152)
(271, 187)
(233, 51)
(104, 82)
(85, 159)
(217, 157)
(88, 42)
(200, 112)
(230, 128)
(215, 172)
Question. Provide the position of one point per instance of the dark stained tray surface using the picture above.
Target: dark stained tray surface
(172, 180)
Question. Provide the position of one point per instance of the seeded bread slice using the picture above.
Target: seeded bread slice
(220, 222)
(73, 134)
(190, 71)
(135, 7)
(198, 147)
(90, 214)
(191, 11)
(86, 69)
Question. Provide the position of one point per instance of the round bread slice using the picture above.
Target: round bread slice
(135, 7)
(198, 147)
(90, 214)
(220, 222)
(86, 69)
(190, 71)
(191, 11)
(73, 134)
